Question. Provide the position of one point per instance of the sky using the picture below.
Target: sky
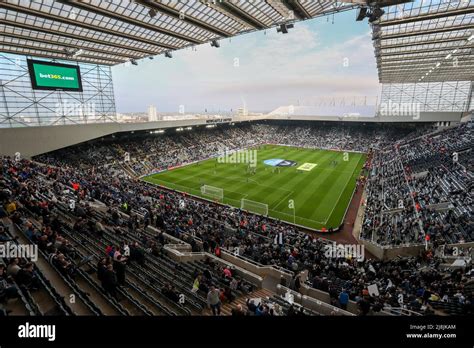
(263, 70)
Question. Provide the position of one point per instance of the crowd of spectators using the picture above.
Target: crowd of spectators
(421, 189)
(141, 154)
(393, 211)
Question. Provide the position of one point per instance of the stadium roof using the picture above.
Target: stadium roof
(425, 41)
(114, 32)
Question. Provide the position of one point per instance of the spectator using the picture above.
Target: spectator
(238, 311)
(109, 281)
(13, 267)
(343, 299)
(7, 289)
(26, 278)
(196, 284)
(251, 306)
(120, 270)
(213, 300)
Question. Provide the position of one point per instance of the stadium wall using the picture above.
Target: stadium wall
(32, 141)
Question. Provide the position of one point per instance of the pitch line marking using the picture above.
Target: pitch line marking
(342, 191)
(244, 196)
(274, 211)
(269, 187)
(284, 197)
(297, 216)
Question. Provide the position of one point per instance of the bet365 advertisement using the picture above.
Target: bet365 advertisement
(54, 76)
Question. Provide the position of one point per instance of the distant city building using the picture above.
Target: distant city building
(152, 114)
(242, 111)
(132, 117)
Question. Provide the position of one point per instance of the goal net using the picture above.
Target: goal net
(212, 191)
(254, 207)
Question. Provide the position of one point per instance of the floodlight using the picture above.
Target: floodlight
(284, 28)
(361, 13)
(152, 13)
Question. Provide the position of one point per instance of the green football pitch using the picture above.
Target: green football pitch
(320, 184)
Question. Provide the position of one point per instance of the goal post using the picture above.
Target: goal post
(212, 191)
(254, 207)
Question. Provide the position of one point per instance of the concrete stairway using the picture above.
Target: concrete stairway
(226, 308)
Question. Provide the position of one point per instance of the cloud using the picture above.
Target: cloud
(292, 70)
(272, 70)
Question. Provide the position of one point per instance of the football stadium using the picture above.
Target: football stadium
(212, 165)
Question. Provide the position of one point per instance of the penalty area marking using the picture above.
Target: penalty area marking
(297, 217)
(244, 195)
(277, 212)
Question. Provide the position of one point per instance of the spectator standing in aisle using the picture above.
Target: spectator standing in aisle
(213, 300)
